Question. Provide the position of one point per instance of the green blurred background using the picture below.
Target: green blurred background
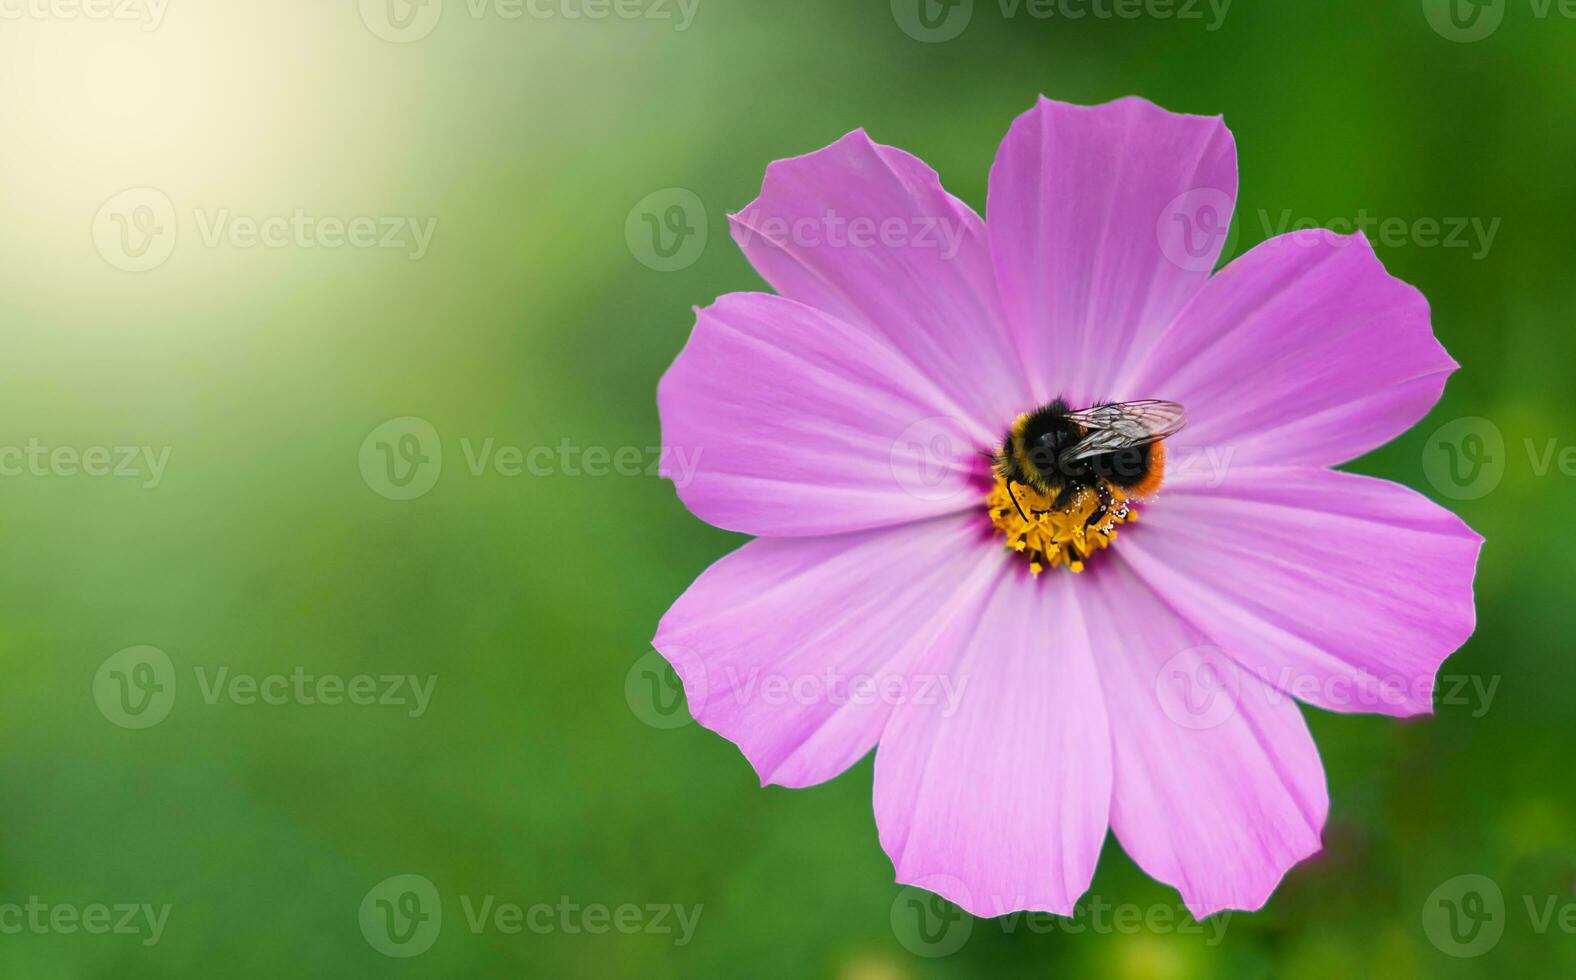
(544, 768)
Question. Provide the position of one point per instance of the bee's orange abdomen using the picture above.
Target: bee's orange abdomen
(1156, 472)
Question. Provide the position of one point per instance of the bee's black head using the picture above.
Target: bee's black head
(1047, 435)
(1045, 448)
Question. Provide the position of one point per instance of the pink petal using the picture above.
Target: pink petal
(1343, 590)
(797, 649)
(780, 420)
(1093, 211)
(1001, 804)
(1218, 790)
(866, 233)
(1303, 351)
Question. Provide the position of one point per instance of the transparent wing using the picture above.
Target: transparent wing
(1125, 424)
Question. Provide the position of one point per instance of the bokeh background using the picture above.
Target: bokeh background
(549, 764)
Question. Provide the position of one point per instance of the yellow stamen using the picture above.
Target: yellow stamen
(1049, 537)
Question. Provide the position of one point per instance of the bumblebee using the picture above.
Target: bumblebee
(1060, 453)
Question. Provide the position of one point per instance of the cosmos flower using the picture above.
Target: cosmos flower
(1034, 673)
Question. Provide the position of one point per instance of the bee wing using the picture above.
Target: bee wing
(1126, 424)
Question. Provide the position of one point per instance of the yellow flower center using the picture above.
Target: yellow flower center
(1050, 537)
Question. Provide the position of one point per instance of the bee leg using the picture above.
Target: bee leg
(1065, 498)
(1106, 502)
(1015, 502)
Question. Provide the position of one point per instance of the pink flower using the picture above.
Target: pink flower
(1015, 715)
